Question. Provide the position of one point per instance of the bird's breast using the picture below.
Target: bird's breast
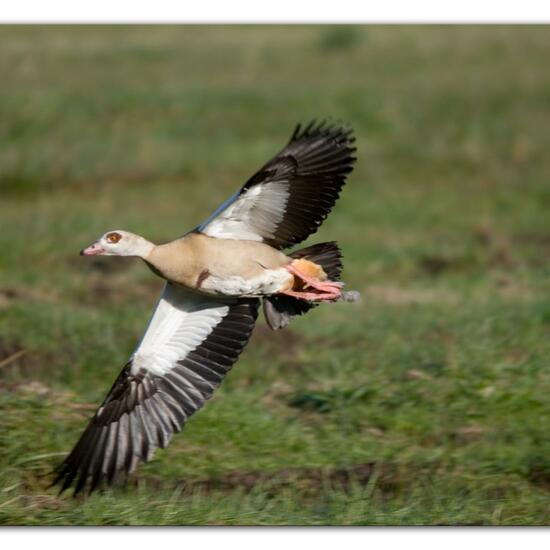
(270, 281)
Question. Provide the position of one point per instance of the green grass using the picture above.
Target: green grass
(427, 403)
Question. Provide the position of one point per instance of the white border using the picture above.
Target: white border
(279, 11)
(274, 11)
(268, 538)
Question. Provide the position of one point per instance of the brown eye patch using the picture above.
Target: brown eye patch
(113, 237)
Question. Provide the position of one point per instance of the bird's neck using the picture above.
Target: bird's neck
(144, 248)
(173, 261)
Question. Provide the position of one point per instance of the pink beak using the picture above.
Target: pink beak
(93, 250)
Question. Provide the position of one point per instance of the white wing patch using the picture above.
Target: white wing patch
(254, 216)
(180, 323)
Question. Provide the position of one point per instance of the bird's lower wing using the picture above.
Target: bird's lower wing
(190, 344)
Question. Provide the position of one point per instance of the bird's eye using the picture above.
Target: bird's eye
(113, 237)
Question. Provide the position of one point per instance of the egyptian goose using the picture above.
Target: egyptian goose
(216, 276)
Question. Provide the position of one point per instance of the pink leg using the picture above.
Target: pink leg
(322, 290)
(311, 296)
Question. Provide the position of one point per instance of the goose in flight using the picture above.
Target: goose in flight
(216, 275)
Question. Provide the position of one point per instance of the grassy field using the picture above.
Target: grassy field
(427, 403)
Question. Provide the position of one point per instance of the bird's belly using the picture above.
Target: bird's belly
(269, 282)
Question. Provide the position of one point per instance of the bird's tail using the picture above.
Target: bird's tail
(279, 309)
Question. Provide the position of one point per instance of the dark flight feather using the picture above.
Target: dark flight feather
(312, 169)
(143, 411)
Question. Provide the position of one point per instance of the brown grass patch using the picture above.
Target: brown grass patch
(28, 362)
(308, 482)
(395, 295)
(11, 294)
(435, 265)
(11, 353)
(284, 344)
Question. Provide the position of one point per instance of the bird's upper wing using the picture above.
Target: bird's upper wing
(288, 199)
(190, 344)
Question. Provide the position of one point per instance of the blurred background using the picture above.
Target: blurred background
(427, 403)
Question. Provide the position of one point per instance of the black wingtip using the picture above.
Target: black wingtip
(295, 133)
(336, 128)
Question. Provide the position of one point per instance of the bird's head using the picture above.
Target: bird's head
(119, 243)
